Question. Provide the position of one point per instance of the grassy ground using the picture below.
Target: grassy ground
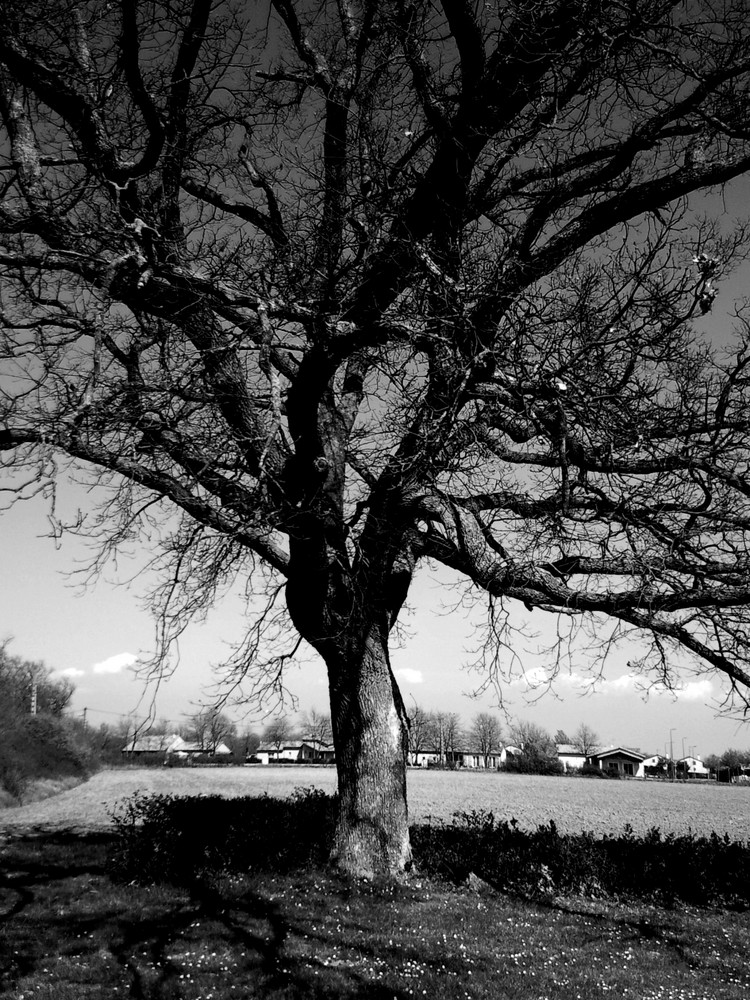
(574, 804)
(67, 932)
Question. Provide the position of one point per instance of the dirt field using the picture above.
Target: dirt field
(575, 804)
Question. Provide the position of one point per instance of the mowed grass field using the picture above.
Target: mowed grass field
(575, 804)
(70, 931)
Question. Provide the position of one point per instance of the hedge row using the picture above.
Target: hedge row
(178, 839)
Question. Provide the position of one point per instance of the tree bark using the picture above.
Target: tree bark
(370, 737)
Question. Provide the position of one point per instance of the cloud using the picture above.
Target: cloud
(70, 672)
(115, 664)
(540, 677)
(625, 683)
(410, 676)
(701, 690)
(697, 691)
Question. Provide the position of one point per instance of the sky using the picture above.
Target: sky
(96, 636)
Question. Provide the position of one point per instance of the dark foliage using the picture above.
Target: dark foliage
(532, 764)
(664, 867)
(591, 771)
(42, 746)
(162, 838)
(176, 839)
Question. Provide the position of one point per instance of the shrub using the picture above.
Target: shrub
(699, 870)
(177, 839)
(35, 747)
(592, 771)
(533, 764)
(162, 838)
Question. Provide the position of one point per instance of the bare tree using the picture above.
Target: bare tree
(585, 739)
(486, 733)
(210, 727)
(444, 734)
(315, 725)
(278, 732)
(420, 728)
(539, 749)
(319, 291)
(27, 683)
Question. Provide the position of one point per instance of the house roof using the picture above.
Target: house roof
(621, 751)
(162, 743)
(265, 747)
(199, 748)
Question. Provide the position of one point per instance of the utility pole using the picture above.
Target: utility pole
(84, 717)
(671, 752)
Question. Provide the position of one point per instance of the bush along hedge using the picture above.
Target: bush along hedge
(663, 868)
(162, 838)
(166, 838)
(33, 747)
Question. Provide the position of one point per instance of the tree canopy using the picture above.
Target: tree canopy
(325, 290)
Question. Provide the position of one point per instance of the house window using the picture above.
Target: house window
(628, 768)
(613, 765)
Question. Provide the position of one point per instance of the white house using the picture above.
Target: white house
(170, 744)
(296, 751)
(571, 756)
(149, 746)
(472, 759)
(655, 766)
(692, 767)
(620, 761)
(183, 749)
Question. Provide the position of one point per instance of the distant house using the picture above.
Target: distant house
(474, 759)
(572, 757)
(621, 761)
(197, 749)
(692, 767)
(149, 747)
(655, 766)
(297, 752)
(152, 746)
(469, 758)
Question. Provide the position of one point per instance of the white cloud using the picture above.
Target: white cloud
(625, 683)
(115, 664)
(410, 676)
(697, 691)
(630, 683)
(70, 672)
(539, 677)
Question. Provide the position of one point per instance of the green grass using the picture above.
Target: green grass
(68, 932)
(574, 804)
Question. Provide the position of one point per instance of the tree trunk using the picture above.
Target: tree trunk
(370, 737)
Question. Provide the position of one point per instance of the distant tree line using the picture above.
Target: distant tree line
(36, 739)
(732, 762)
(444, 734)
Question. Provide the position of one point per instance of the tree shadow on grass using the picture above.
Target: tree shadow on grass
(672, 928)
(58, 905)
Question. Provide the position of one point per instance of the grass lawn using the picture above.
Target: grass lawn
(574, 804)
(67, 932)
